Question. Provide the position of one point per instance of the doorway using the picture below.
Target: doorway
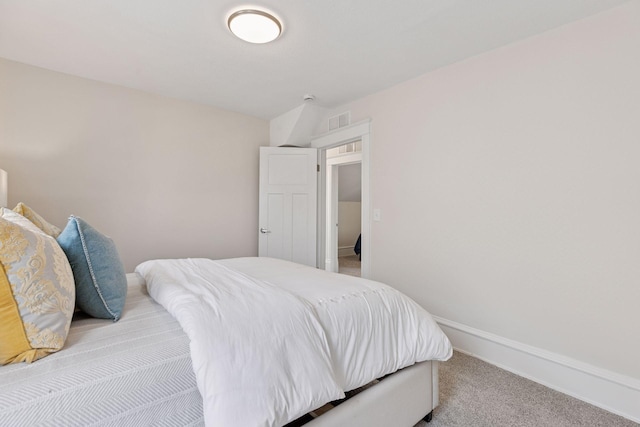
(356, 132)
(344, 208)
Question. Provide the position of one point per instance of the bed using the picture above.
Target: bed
(149, 368)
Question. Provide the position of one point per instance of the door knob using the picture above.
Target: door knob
(264, 230)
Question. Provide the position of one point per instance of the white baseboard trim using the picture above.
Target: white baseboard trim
(345, 251)
(608, 390)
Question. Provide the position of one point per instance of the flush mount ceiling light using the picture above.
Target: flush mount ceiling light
(254, 26)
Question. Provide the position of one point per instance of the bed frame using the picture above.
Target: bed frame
(401, 399)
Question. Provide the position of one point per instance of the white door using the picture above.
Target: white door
(288, 204)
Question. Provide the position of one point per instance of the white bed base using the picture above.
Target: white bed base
(401, 399)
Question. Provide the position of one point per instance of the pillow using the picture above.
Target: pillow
(101, 283)
(37, 292)
(32, 216)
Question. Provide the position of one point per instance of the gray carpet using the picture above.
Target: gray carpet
(475, 393)
(349, 264)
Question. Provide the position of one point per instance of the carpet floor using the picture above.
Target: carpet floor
(349, 264)
(475, 393)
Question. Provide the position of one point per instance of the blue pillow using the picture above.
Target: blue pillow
(101, 283)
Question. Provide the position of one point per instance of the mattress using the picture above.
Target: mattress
(136, 371)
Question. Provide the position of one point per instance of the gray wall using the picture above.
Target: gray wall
(162, 177)
(509, 186)
(349, 206)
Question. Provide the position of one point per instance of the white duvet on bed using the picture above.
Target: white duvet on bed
(272, 340)
(259, 354)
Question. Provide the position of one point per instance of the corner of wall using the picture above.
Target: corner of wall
(295, 127)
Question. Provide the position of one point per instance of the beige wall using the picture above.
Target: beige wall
(349, 219)
(511, 182)
(162, 177)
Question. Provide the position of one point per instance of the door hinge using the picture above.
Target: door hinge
(318, 169)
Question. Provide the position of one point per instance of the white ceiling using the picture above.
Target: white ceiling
(338, 50)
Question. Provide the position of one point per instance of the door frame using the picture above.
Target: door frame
(358, 131)
(332, 224)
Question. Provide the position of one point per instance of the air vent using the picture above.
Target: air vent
(340, 120)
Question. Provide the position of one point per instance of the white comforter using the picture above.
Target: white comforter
(272, 340)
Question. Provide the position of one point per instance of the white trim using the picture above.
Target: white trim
(346, 251)
(345, 159)
(331, 226)
(357, 131)
(365, 236)
(331, 200)
(608, 390)
(342, 135)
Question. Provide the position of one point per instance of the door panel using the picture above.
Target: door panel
(300, 228)
(288, 204)
(288, 169)
(275, 221)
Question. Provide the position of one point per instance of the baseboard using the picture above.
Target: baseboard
(345, 251)
(608, 390)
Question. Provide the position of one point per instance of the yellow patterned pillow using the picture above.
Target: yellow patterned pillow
(40, 222)
(37, 292)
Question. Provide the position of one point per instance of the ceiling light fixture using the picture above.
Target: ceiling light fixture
(254, 26)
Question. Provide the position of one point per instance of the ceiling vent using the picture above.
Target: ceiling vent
(340, 121)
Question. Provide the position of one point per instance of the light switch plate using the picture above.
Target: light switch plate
(376, 215)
